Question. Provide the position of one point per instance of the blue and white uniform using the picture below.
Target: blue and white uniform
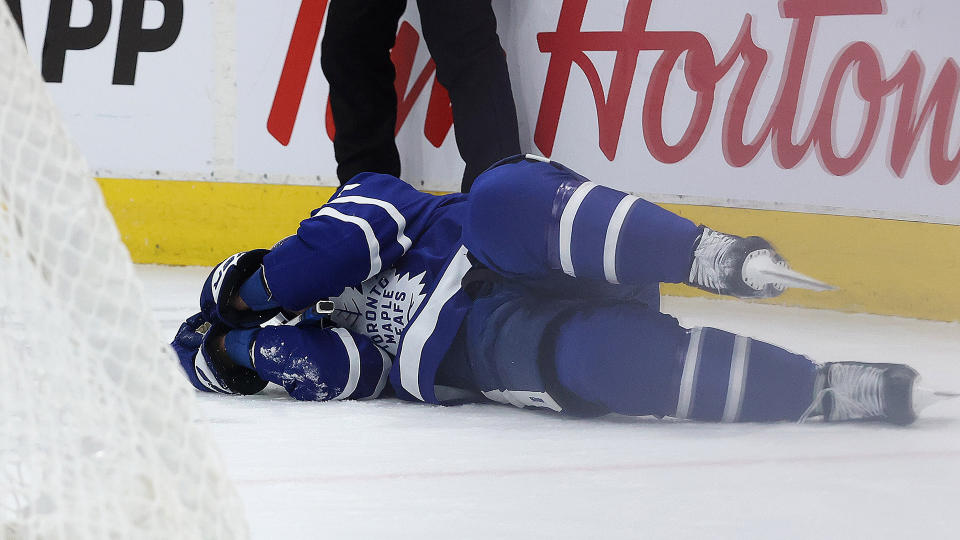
(538, 289)
(391, 258)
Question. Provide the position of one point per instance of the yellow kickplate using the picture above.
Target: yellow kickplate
(878, 266)
(201, 223)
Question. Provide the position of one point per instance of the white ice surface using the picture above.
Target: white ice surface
(389, 469)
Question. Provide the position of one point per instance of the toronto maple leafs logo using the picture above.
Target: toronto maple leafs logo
(380, 307)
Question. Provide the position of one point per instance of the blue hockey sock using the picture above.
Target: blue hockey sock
(237, 344)
(639, 362)
(732, 378)
(531, 219)
(607, 234)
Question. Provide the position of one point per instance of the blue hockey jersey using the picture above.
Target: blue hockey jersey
(566, 315)
(392, 259)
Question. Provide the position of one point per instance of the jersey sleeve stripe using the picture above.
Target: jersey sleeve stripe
(566, 225)
(382, 383)
(353, 353)
(422, 326)
(389, 208)
(613, 237)
(372, 244)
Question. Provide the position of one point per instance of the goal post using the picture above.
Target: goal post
(99, 432)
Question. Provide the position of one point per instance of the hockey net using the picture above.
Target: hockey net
(98, 432)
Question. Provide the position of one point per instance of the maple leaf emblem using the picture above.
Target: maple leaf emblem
(380, 307)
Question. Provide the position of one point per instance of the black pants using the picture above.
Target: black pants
(461, 36)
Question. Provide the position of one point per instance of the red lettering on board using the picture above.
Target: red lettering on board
(567, 46)
(296, 68)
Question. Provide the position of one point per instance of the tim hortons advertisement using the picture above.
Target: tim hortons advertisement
(838, 106)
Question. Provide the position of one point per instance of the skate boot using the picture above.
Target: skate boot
(718, 264)
(743, 267)
(866, 391)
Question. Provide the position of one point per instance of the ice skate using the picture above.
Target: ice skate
(866, 391)
(743, 267)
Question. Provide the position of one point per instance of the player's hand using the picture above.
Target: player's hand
(238, 304)
(219, 298)
(199, 346)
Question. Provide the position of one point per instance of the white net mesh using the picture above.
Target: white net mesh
(98, 434)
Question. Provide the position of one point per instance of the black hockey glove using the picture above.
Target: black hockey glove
(222, 286)
(199, 347)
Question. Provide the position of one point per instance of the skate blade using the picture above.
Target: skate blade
(925, 397)
(771, 272)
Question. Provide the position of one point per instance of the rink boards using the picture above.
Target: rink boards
(878, 265)
(829, 127)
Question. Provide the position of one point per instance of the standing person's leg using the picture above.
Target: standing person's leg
(355, 56)
(471, 65)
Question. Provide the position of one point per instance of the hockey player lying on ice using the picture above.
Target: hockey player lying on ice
(539, 289)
